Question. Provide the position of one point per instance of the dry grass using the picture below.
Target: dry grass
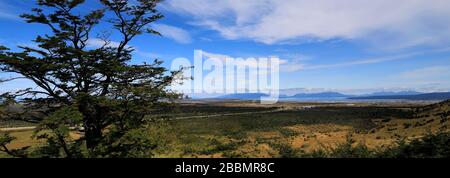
(259, 135)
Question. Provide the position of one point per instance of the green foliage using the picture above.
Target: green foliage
(287, 132)
(348, 150)
(59, 143)
(125, 146)
(430, 146)
(2, 109)
(5, 139)
(5, 100)
(286, 151)
(95, 88)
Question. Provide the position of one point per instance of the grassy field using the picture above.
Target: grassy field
(14, 123)
(246, 129)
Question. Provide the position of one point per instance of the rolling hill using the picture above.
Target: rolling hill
(425, 96)
(441, 109)
(405, 93)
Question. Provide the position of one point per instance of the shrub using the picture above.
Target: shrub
(349, 150)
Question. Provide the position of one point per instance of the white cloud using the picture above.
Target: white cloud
(426, 79)
(362, 61)
(178, 34)
(7, 15)
(244, 61)
(376, 60)
(97, 43)
(286, 64)
(9, 11)
(427, 73)
(294, 63)
(222, 57)
(147, 54)
(400, 23)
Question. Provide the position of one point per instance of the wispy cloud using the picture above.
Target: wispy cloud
(8, 11)
(8, 15)
(403, 23)
(97, 43)
(147, 54)
(361, 62)
(376, 60)
(427, 73)
(175, 33)
(296, 62)
(244, 61)
(427, 79)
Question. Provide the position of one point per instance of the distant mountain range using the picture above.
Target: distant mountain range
(403, 95)
(394, 93)
(424, 96)
(319, 95)
(299, 96)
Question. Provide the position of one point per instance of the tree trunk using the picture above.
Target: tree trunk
(93, 134)
(91, 122)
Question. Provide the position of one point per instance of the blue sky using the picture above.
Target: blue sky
(348, 46)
